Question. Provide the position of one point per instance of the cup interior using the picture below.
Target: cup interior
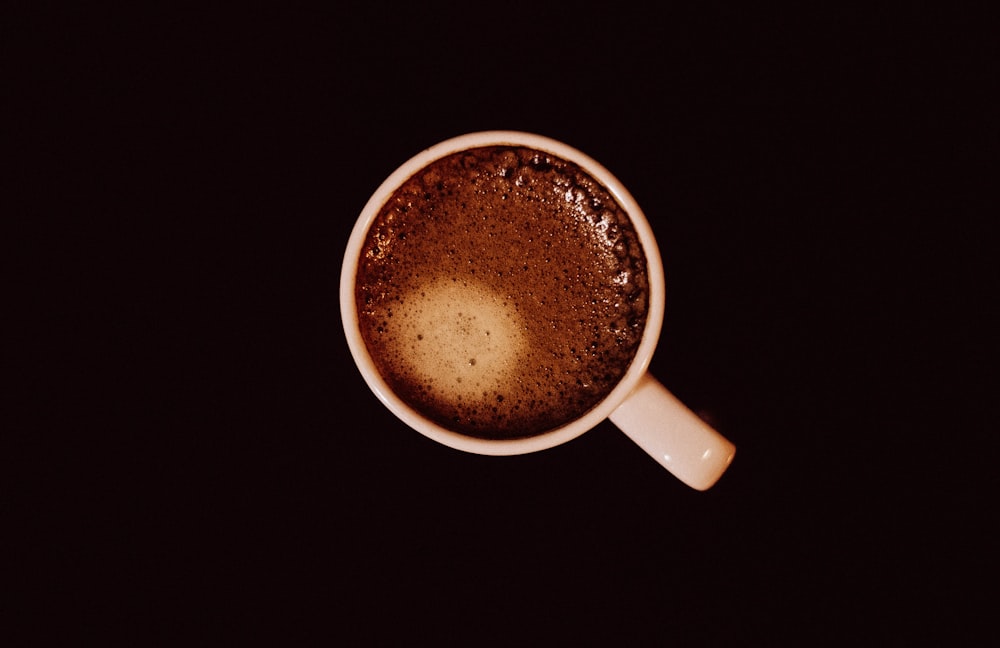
(556, 436)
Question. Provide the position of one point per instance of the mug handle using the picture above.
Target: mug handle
(673, 435)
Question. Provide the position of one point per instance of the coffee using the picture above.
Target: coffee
(502, 292)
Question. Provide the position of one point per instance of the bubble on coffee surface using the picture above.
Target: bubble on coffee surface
(502, 292)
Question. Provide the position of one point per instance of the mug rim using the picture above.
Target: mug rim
(556, 436)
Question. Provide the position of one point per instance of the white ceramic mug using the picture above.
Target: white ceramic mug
(639, 404)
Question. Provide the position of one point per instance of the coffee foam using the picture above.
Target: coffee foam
(458, 338)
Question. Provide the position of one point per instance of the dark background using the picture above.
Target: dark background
(193, 457)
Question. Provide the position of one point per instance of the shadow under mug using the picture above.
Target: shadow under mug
(639, 404)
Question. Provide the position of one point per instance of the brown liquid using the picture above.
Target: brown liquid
(502, 292)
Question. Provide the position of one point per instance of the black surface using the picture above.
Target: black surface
(193, 457)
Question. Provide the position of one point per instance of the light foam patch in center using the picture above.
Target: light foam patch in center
(460, 339)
